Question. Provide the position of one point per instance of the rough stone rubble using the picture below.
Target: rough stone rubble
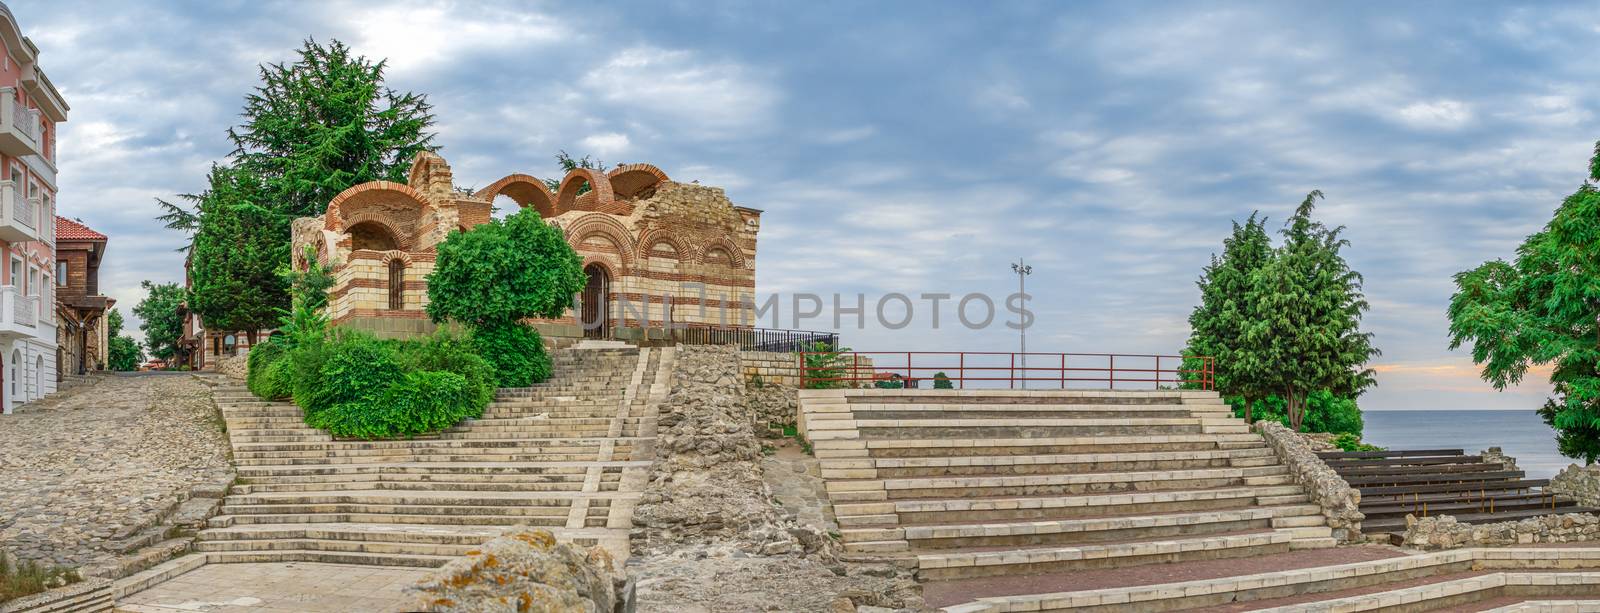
(525, 570)
(1340, 503)
(707, 521)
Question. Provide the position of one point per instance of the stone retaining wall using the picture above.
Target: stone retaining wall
(1340, 502)
(1444, 532)
(771, 367)
(1580, 483)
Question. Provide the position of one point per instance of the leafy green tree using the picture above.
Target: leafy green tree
(1543, 309)
(161, 322)
(124, 353)
(1218, 324)
(496, 275)
(942, 381)
(238, 251)
(327, 122)
(1307, 313)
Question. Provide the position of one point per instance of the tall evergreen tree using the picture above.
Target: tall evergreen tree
(1544, 308)
(234, 276)
(1218, 323)
(1308, 307)
(318, 126)
(312, 129)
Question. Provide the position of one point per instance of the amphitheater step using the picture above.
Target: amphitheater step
(962, 564)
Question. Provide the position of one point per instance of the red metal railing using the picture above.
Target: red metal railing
(988, 369)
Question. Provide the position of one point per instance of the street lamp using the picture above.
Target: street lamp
(1023, 270)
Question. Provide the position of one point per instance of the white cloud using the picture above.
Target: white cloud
(1435, 115)
(712, 98)
(606, 144)
(421, 35)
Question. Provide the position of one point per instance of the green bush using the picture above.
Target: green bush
(353, 367)
(515, 351)
(941, 381)
(418, 403)
(449, 352)
(1350, 442)
(267, 373)
(824, 367)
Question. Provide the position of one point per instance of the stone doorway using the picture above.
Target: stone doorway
(595, 316)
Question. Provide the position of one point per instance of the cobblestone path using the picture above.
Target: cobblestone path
(96, 463)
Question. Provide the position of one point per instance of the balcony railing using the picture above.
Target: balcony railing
(19, 215)
(19, 126)
(19, 313)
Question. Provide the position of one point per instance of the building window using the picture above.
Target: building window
(61, 274)
(33, 282)
(397, 284)
(16, 272)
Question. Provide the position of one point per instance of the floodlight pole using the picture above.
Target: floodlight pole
(1022, 270)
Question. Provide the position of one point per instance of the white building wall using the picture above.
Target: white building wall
(29, 370)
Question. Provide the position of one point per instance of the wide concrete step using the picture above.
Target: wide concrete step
(330, 557)
(1069, 463)
(576, 454)
(939, 511)
(451, 471)
(426, 519)
(1095, 530)
(932, 447)
(1084, 483)
(1028, 427)
(416, 445)
(410, 497)
(1033, 560)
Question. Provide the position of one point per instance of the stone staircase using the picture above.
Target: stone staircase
(569, 455)
(982, 483)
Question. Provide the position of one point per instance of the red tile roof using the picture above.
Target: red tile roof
(69, 230)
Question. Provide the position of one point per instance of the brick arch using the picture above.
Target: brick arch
(735, 254)
(396, 254)
(627, 181)
(368, 193)
(567, 196)
(402, 239)
(647, 242)
(525, 190)
(606, 226)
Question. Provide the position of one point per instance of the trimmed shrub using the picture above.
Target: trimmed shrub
(516, 353)
(418, 403)
(264, 359)
(449, 352)
(353, 367)
(942, 381)
(1324, 413)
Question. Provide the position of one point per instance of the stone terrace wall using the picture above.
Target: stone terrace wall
(1581, 483)
(1444, 532)
(772, 367)
(1340, 503)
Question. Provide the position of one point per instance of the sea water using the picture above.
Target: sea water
(1520, 433)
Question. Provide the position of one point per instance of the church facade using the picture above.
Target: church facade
(660, 255)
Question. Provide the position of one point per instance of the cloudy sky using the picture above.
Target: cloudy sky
(921, 147)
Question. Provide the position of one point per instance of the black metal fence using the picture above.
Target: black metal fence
(759, 339)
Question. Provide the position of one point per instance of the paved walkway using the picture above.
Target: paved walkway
(280, 587)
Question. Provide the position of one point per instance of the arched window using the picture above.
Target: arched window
(38, 377)
(16, 375)
(397, 284)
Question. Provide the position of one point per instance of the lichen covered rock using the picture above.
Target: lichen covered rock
(523, 570)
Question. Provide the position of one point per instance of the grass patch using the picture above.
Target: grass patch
(28, 578)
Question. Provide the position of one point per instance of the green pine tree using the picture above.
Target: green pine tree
(1308, 306)
(1544, 309)
(311, 130)
(1218, 323)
